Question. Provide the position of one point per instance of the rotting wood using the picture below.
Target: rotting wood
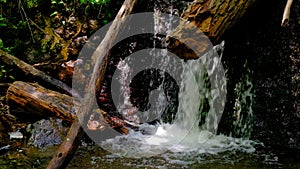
(33, 98)
(37, 100)
(67, 149)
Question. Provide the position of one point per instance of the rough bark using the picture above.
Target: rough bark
(212, 17)
(67, 148)
(35, 99)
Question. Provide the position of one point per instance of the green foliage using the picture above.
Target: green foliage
(4, 74)
(93, 2)
(98, 2)
(32, 3)
(6, 49)
(31, 26)
(10, 25)
(3, 21)
(3, 71)
(57, 2)
(70, 6)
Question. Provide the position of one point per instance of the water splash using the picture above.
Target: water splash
(193, 130)
(126, 108)
(186, 134)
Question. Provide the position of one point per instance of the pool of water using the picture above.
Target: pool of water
(94, 157)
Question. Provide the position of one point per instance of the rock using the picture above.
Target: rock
(45, 133)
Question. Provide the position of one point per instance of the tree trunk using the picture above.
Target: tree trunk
(212, 17)
(67, 149)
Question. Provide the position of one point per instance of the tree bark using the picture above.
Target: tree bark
(67, 149)
(37, 100)
(212, 17)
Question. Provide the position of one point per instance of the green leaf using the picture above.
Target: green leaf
(54, 13)
(3, 24)
(11, 77)
(1, 44)
(8, 49)
(105, 22)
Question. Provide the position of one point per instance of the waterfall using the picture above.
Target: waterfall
(243, 112)
(184, 100)
(185, 133)
(193, 130)
(201, 99)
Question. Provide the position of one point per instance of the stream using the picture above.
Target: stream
(200, 113)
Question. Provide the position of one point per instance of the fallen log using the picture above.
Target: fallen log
(215, 17)
(34, 99)
(42, 102)
(212, 17)
(38, 75)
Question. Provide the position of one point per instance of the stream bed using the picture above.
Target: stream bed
(94, 157)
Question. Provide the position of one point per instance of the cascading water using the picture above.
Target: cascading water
(184, 134)
(243, 113)
(193, 129)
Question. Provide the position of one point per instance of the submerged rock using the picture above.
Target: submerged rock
(46, 133)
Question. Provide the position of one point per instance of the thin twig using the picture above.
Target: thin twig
(4, 84)
(286, 13)
(25, 15)
(39, 28)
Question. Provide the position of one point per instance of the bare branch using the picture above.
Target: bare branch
(286, 13)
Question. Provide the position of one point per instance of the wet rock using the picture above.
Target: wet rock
(45, 133)
(275, 64)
